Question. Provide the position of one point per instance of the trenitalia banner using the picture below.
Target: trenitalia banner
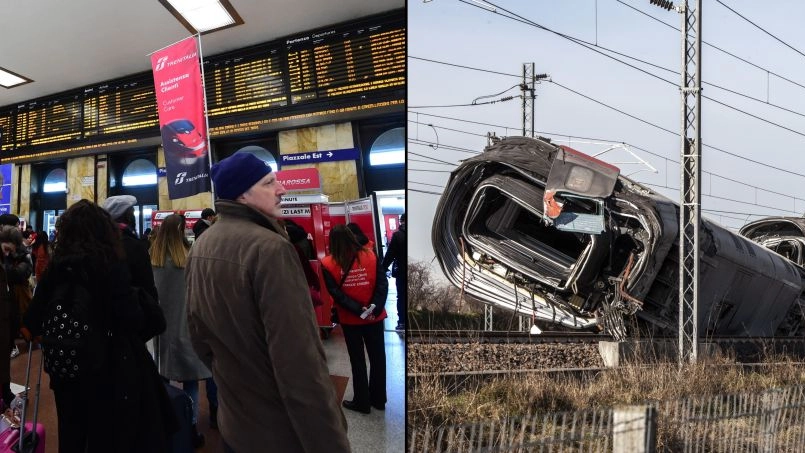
(180, 101)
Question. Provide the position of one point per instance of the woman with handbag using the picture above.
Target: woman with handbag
(359, 290)
(176, 357)
(108, 394)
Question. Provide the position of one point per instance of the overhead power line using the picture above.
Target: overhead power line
(432, 158)
(761, 28)
(590, 46)
(703, 144)
(712, 174)
(726, 52)
(661, 186)
(426, 184)
(425, 192)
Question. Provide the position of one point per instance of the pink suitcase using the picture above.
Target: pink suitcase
(10, 439)
(33, 441)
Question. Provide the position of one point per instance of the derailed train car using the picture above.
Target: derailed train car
(549, 232)
(784, 235)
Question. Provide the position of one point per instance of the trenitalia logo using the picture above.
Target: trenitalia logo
(181, 177)
(163, 61)
(160, 63)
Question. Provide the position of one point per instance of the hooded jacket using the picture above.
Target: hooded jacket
(250, 321)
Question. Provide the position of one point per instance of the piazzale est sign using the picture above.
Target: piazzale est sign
(319, 156)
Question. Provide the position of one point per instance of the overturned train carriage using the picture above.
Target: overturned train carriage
(549, 232)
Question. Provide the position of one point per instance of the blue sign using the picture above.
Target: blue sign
(162, 172)
(5, 189)
(319, 156)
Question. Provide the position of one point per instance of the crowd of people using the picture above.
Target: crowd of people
(234, 314)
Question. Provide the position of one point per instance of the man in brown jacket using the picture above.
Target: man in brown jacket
(250, 321)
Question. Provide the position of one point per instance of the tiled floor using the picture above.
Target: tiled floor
(380, 431)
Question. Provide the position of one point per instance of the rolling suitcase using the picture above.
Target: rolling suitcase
(26, 439)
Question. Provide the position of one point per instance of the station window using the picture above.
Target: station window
(388, 148)
(261, 153)
(140, 172)
(56, 181)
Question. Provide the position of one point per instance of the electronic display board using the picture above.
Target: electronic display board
(123, 107)
(6, 141)
(47, 122)
(347, 59)
(306, 71)
(245, 83)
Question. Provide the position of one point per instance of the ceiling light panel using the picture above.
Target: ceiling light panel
(8, 79)
(203, 16)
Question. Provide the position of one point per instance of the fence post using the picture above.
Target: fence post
(772, 402)
(634, 429)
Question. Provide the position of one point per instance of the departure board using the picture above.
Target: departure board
(123, 107)
(247, 82)
(353, 58)
(6, 141)
(47, 122)
(301, 73)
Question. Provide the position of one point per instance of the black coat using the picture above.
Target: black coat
(142, 275)
(132, 410)
(397, 253)
(200, 227)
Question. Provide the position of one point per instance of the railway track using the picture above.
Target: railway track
(503, 337)
(500, 337)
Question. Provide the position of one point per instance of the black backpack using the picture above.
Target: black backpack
(67, 331)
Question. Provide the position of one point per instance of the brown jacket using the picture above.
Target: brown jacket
(250, 320)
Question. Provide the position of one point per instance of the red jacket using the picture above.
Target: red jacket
(359, 285)
(42, 260)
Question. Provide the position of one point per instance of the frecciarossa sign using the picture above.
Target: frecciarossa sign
(299, 179)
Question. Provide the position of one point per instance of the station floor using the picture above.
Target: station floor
(380, 431)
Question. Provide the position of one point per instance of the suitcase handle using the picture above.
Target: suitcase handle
(32, 435)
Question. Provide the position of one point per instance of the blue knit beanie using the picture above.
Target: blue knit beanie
(237, 174)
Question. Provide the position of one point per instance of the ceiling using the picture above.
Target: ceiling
(63, 45)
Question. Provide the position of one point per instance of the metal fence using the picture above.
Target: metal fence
(770, 421)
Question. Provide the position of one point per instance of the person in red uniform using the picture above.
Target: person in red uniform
(352, 276)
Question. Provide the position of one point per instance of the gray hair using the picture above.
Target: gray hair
(11, 234)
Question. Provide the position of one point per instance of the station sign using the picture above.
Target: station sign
(319, 156)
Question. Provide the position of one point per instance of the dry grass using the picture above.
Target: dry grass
(431, 403)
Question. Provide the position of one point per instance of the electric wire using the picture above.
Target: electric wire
(712, 174)
(779, 76)
(424, 191)
(508, 98)
(676, 133)
(427, 161)
(591, 46)
(432, 158)
(761, 28)
(709, 195)
(426, 184)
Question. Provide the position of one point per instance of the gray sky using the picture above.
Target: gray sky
(469, 34)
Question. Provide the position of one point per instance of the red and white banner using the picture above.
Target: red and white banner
(180, 103)
(299, 179)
